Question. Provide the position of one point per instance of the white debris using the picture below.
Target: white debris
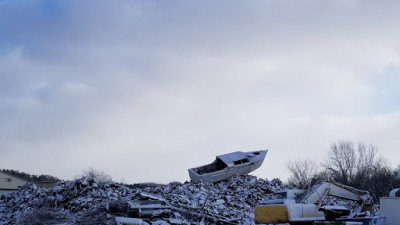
(85, 202)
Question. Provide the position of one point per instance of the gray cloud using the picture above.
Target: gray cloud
(133, 87)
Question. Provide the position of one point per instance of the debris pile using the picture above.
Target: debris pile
(78, 199)
(85, 202)
(349, 204)
(230, 200)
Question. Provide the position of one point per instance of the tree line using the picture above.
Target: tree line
(31, 177)
(359, 166)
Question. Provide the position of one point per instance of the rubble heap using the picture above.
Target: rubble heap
(76, 199)
(85, 202)
(229, 200)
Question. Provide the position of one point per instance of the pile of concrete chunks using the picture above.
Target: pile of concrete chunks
(227, 202)
(78, 201)
(84, 202)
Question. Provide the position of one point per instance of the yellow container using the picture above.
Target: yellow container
(271, 214)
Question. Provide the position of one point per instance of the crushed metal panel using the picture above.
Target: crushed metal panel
(148, 208)
(148, 204)
(323, 188)
(128, 221)
(374, 220)
(150, 196)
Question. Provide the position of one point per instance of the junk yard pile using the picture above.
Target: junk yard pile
(233, 199)
(85, 202)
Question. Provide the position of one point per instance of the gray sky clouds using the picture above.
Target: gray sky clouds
(146, 89)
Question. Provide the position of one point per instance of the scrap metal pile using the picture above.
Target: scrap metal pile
(83, 201)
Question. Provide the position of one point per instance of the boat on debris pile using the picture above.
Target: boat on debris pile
(228, 165)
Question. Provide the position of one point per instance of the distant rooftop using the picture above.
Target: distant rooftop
(29, 177)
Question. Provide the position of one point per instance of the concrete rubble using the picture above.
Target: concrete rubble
(80, 201)
(85, 202)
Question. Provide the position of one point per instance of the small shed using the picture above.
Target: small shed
(9, 183)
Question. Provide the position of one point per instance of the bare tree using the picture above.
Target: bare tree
(380, 182)
(97, 176)
(368, 163)
(359, 167)
(302, 172)
(341, 162)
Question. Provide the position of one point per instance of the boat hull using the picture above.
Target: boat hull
(227, 172)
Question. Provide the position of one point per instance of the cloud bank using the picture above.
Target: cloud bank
(144, 90)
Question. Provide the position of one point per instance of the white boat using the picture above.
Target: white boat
(228, 165)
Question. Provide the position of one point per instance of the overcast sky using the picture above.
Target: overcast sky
(144, 90)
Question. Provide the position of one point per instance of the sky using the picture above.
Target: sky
(144, 90)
